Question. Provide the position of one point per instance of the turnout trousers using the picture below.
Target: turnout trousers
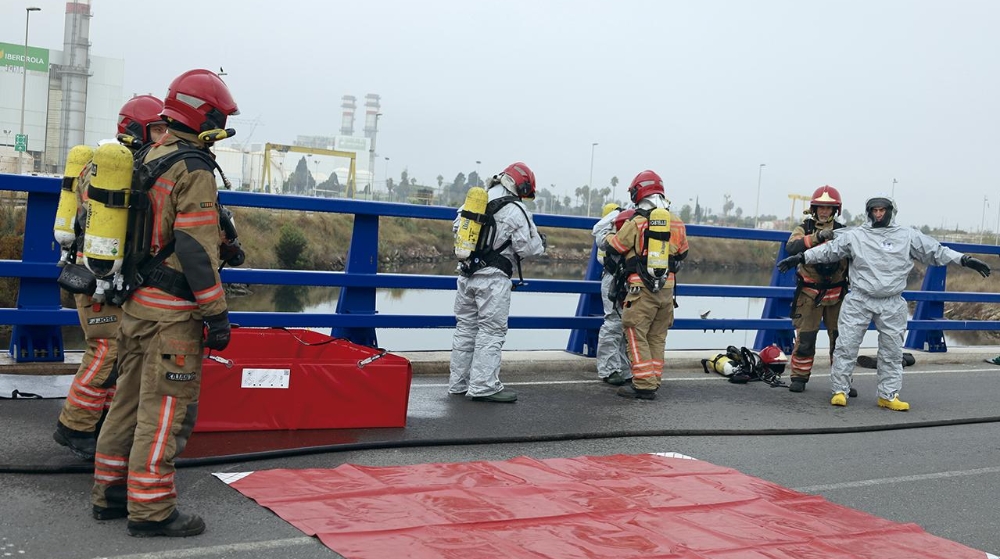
(645, 320)
(94, 384)
(807, 317)
(152, 416)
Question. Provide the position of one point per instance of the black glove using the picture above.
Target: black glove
(824, 235)
(545, 240)
(791, 262)
(217, 331)
(976, 264)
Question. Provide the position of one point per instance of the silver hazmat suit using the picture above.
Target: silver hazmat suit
(612, 352)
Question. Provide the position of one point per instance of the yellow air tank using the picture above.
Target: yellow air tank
(470, 222)
(107, 216)
(658, 242)
(65, 225)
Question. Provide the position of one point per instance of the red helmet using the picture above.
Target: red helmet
(645, 184)
(774, 358)
(622, 218)
(826, 196)
(138, 114)
(200, 100)
(524, 179)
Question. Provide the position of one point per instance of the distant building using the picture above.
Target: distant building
(72, 97)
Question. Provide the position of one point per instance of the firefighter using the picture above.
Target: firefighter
(648, 300)
(882, 255)
(482, 301)
(177, 310)
(820, 288)
(94, 384)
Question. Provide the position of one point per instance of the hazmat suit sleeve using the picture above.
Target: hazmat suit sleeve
(832, 251)
(605, 226)
(929, 251)
(524, 237)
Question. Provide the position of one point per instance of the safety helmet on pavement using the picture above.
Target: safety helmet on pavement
(138, 114)
(645, 184)
(200, 100)
(523, 179)
(774, 358)
(880, 202)
(826, 196)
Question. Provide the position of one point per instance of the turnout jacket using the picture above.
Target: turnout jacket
(183, 209)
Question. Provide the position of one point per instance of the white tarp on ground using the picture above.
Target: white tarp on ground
(35, 386)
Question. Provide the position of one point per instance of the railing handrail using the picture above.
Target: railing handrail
(357, 317)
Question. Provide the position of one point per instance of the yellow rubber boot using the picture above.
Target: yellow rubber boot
(839, 399)
(895, 404)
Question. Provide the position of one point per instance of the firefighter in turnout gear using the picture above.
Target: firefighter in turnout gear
(93, 386)
(820, 288)
(482, 301)
(174, 309)
(647, 295)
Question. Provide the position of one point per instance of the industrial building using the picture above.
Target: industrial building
(70, 97)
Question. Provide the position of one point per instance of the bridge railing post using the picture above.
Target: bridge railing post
(38, 342)
(584, 342)
(778, 307)
(934, 280)
(362, 258)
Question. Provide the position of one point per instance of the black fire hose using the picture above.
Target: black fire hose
(555, 437)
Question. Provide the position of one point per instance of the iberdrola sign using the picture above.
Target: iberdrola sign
(13, 55)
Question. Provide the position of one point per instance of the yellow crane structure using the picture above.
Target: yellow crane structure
(796, 198)
(283, 148)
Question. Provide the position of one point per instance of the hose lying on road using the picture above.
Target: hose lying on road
(469, 441)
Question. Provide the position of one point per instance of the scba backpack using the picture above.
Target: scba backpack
(744, 365)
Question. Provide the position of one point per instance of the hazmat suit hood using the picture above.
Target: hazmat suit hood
(889, 220)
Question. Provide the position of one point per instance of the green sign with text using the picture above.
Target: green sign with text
(13, 56)
(21, 142)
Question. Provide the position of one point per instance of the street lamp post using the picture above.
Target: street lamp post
(756, 210)
(982, 223)
(892, 193)
(590, 184)
(24, 84)
(479, 179)
(387, 178)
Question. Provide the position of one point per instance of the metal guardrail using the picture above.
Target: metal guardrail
(38, 316)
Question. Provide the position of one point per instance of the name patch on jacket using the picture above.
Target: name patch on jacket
(102, 320)
(181, 377)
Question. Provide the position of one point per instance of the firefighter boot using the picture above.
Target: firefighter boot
(630, 391)
(798, 385)
(615, 379)
(117, 499)
(80, 443)
(177, 525)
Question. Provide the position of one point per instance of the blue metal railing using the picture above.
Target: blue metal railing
(38, 316)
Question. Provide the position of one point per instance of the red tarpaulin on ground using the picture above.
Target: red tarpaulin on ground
(644, 506)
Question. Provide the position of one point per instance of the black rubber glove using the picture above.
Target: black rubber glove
(791, 262)
(545, 240)
(217, 331)
(824, 235)
(976, 264)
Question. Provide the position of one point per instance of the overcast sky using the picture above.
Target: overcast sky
(847, 93)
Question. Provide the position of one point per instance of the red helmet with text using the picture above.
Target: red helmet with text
(774, 358)
(524, 179)
(645, 184)
(200, 100)
(138, 114)
(826, 196)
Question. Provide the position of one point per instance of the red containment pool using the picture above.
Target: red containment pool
(278, 379)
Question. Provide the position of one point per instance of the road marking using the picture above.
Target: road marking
(702, 377)
(218, 549)
(901, 479)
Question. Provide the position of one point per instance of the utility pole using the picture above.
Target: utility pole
(590, 185)
(756, 210)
